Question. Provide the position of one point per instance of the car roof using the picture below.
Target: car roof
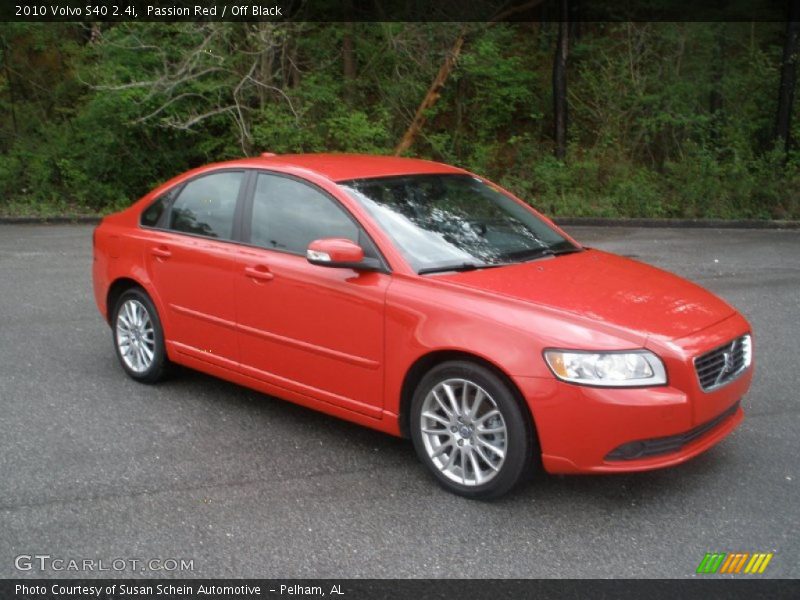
(343, 167)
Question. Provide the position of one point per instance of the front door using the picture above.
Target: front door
(315, 330)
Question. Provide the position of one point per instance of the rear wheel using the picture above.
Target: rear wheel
(138, 337)
(470, 431)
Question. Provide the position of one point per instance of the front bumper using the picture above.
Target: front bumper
(671, 443)
(604, 430)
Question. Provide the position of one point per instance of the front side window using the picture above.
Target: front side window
(288, 215)
(206, 205)
(445, 222)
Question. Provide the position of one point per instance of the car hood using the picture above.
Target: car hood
(608, 288)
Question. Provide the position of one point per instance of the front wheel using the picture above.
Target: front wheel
(138, 337)
(470, 431)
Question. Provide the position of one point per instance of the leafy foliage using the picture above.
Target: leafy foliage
(666, 119)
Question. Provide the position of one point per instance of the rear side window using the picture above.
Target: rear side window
(289, 215)
(206, 205)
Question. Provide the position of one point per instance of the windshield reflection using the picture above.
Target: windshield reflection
(439, 221)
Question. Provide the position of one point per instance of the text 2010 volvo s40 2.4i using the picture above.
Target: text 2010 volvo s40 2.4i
(423, 301)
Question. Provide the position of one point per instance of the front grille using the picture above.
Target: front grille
(669, 444)
(724, 364)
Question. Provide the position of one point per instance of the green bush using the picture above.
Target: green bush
(98, 116)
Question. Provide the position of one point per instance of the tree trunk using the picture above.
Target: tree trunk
(348, 54)
(11, 96)
(348, 61)
(432, 96)
(444, 72)
(348, 51)
(575, 21)
(560, 82)
(294, 72)
(783, 121)
(715, 99)
(264, 64)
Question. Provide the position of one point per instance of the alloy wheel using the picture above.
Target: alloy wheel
(135, 336)
(463, 432)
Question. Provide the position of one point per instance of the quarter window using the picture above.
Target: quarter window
(206, 205)
(288, 215)
(151, 216)
(153, 213)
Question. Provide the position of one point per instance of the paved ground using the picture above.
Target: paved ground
(93, 465)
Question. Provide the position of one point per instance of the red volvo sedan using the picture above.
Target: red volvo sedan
(424, 301)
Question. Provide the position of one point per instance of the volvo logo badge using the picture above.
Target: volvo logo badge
(727, 363)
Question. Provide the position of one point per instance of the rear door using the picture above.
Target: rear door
(315, 330)
(191, 259)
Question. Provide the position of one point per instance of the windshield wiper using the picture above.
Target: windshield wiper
(530, 254)
(462, 267)
(566, 251)
(535, 253)
(520, 258)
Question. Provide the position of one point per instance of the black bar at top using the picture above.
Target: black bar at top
(392, 10)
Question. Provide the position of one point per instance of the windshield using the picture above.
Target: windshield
(455, 222)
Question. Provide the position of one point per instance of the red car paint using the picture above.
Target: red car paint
(348, 342)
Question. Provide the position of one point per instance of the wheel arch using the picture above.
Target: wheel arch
(430, 360)
(121, 285)
(118, 287)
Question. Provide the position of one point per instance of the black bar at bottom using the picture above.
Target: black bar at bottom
(417, 589)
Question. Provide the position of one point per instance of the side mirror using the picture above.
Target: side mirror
(337, 252)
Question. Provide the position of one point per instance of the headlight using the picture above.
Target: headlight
(608, 369)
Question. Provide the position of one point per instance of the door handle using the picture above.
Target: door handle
(259, 272)
(161, 252)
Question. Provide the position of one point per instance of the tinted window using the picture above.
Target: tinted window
(151, 216)
(206, 205)
(153, 213)
(288, 215)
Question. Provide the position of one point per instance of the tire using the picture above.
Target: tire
(139, 337)
(467, 460)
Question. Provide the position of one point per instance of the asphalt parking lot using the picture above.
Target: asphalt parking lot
(93, 465)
